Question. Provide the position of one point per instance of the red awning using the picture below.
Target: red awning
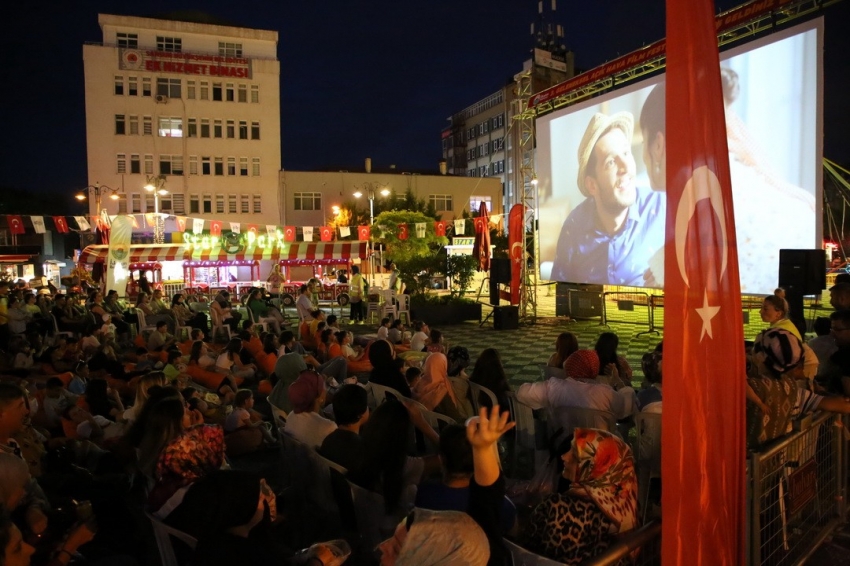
(16, 258)
(299, 251)
(139, 253)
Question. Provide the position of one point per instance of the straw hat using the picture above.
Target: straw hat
(599, 124)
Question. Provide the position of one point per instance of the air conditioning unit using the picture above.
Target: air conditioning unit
(161, 99)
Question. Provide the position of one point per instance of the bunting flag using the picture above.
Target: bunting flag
(479, 224)
(326, 233)
(704, 495)
(363, 232)
(253, 229)
(402, 232)
(440, 228)
(61, 224)
(82, 223)
(105, 221)
(460, 227)
(235, 227)
(150, 220)
(308, 233)
(38, 224)
(289, 233)
(181, 223)
(420, 229)
(16, 224)
(215, 228)
(344, 231)
(133, 221)
(197, 225)
(271, 230)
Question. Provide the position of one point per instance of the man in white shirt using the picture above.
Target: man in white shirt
(304, 305)
(307, 396)
(420, 336)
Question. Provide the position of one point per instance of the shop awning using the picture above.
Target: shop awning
(300, 251)
(15, 258)
(139, 253)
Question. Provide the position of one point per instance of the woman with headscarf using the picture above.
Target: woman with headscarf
(600, 503)
(435, 390)
(386, 370)
(490, 373)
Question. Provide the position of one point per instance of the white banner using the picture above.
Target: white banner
(271, 229)
(82, 223)
(38, 224)
(234, 227)
(344, 231)
(420, 229)
(460, 226)
(197, 225)
(308, 233)
(118, 258)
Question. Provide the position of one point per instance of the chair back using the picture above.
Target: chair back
(378, 394)
(310, 471)
(648, 442)
(476, 391)
(569, 418)
(162, 534)
(369, 512)
(523, 557)
(403, 307)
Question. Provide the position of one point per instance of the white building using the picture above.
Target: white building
(197, 105)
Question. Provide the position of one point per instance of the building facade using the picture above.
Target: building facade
(191, 108)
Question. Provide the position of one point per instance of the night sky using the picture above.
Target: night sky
(371, 78)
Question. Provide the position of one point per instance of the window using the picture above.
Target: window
(231, 129)
(193, 127)
(255, 130)
(122, 204)
(127, 40)
(194, 204)
(170, 44)
(205, 127)
(135, 164)
(258, 204)
(134, 125)
(148, 164)
(170, 127)
(133, 86)
(308, 201)
(170, 164)
(217, 91)
(147, 125)
(216, 128)
(475, 203)
(499, 144)
(136, 202)
(243, 130)
(255, 166)
(441, 203)
(482, 171)
(229, 92)
(120, 125)
(121, 163)
(193, 165)
(243, 93)
(206, 166)
(205, 90)
(231, 204)
(229, 49)
(219, 166)
(244, 205)
(207, 204)
(231, 166)
(146, 87)
(168, 87)
(165, 203)
(119, 84)
(179, 203)
(243, 167)
(150, 204)
(219, 204)
(255, 93)
(190, 90)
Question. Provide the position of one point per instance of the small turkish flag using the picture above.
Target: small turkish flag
(16, 224)
(181, 223)
(402, 231)
(254, 228)
(326, 233)
(289, 233)
(479, 224)
(215, 227)
(61, 224)
(440, 227)
(363, 232)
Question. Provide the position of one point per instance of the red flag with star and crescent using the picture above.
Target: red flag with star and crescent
(61, 224)
(16, 224)
(403, 233)
(363, 232)
(253, 228)
(215, 227)
(289, 233)
(326, 233)
(440, 228)
(703, 422)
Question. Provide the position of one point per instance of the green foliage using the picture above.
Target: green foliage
(385, 231)
(460, 269)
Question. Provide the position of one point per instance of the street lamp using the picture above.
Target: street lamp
(370, 194)
(155, 185)
(97, 190)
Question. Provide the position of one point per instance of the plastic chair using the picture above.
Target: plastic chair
(56, 331)
(262, 322)
(523, 557)
(373, 309)
(389, 306)
(403, 307)
(163, 534)
(218, 324)
(570, 418)
(378, 394)
(476, 391)
(369, 513)
(528, 429)
(143, 325)
(647, 451)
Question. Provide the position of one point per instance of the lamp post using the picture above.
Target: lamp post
(155, 185)
(370, 194)
(97, 190)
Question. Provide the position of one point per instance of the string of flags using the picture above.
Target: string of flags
(198, 226)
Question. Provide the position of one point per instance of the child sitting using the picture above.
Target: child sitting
(244, 417)
(413, 375)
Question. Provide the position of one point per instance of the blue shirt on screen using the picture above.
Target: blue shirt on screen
(586, 254)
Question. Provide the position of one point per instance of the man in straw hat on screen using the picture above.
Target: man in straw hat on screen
(610, 237)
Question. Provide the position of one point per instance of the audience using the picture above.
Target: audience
(307, 394)
(351, 412)
(565, 345)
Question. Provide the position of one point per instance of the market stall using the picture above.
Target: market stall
(156, 261)
(209, 276)
(320, 257)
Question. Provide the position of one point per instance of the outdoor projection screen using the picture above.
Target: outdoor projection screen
(773, 95)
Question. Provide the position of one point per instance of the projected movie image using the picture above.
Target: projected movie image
(602, 170)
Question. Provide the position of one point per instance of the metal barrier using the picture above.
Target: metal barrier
(636, 302)
(647, 539)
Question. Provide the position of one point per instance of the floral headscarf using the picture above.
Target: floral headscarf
(195, 453)
(435, 384)
(605, 473)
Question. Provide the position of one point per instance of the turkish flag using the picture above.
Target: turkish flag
(703, 423)
(16, 224)
(516, 247)
(253, 228)
(289, 233)
(215, 227)
(440, 227)
(326, 233)
(363, 232)
(181, 223)
(402, 232)
(61, 224)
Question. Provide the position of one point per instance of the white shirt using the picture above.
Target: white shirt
(304, 306)
(383, 333)
(310, 428)
(417, 343)
(557, 392)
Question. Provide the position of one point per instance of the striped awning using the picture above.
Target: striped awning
(139, 253)
(16, 258)
(300, 251)
(219, 253)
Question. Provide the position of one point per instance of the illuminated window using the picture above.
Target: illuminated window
(475, 203)
(255, 166)
(170, 127)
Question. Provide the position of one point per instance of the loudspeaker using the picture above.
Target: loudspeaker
(802, 272)
(586, 303)
(494, 293)
(506, 318)
(500, 270)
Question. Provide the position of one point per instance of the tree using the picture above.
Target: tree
(416, 258)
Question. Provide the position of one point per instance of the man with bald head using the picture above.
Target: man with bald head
(611, 235)
(839, 296)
